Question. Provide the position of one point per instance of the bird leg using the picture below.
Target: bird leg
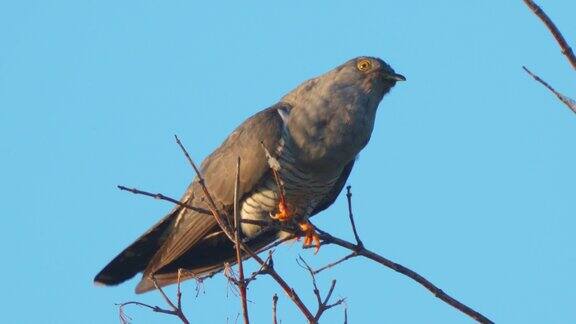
(285, 214)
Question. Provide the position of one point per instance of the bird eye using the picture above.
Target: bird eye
(364, 65)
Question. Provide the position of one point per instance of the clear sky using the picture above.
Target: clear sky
(468, 179)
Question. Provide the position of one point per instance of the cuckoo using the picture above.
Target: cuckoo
(314, 133)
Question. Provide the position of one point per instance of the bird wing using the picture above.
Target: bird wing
(219, 172)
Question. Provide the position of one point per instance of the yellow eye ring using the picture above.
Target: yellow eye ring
(364, 65)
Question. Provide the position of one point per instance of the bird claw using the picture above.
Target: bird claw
(310, 235)
(284, 214)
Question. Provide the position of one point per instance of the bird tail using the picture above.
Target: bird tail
(135, 258)
(208, 257)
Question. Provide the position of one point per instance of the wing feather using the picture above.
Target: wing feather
(219, 172)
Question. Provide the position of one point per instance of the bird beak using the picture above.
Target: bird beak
(395, 77)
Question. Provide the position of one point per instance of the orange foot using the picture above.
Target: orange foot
(284, 214)
(311, 237)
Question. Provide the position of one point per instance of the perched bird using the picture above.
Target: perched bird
(314, 133)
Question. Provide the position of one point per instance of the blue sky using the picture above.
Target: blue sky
(468, 178)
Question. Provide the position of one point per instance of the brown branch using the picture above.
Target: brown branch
(226, 229)
(439, 293)
(241, 281)
(566, 100)
(566, 49)
(274, 306)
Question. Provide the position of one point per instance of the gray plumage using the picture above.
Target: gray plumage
(315, 133)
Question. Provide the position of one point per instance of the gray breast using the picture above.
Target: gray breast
(303, 188)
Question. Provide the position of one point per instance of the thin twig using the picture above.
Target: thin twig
(566, 100)
(274, 306)
(226, 229)
(332, 264)
(351, 215)
(566, 49)
(166, 198)
(212, 205)
(241, 281)
(178, 291)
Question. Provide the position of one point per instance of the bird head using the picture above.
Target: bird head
(370, 74)
(361, 78)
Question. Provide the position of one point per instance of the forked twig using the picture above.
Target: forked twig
(323, 305)
(176, 309)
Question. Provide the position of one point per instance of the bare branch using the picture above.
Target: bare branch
(241, 281)
(566, 100)
(566, 49)
(439, 293)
